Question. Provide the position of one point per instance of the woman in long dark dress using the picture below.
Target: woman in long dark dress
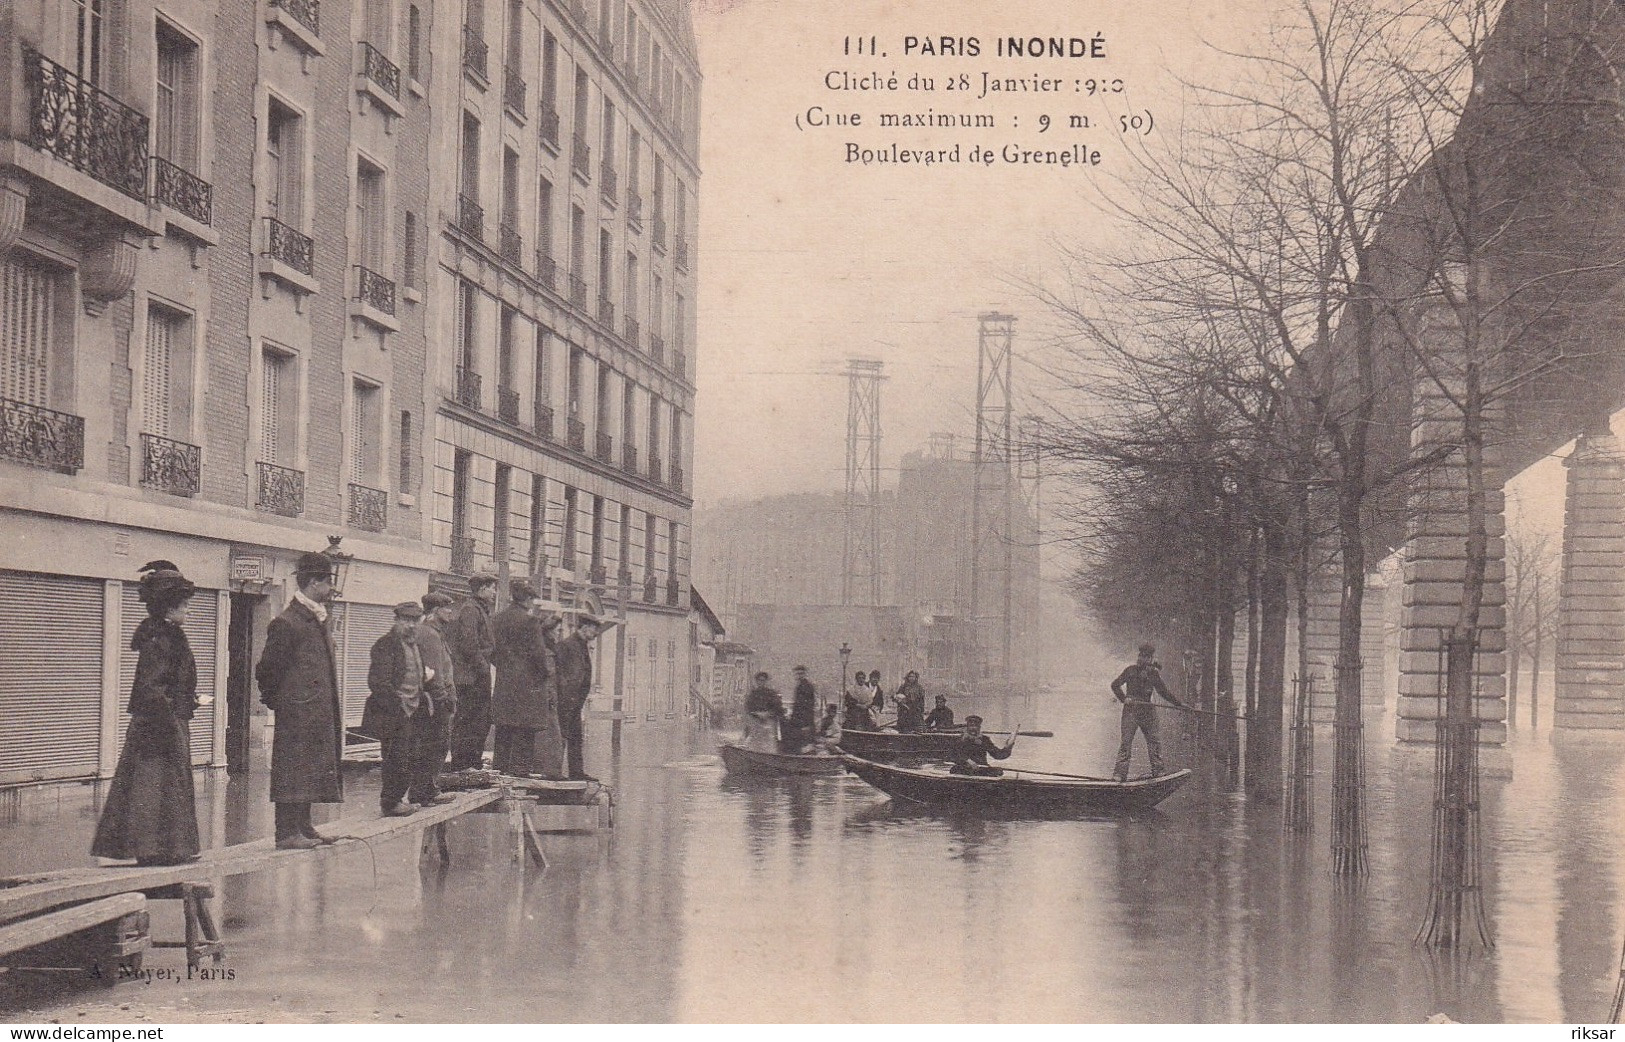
(151, 811)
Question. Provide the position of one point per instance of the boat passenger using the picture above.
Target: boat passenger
(801, 725)
(877, 697)
(973, 749)
(941, 718)
(910, 700)
(829, 731)
(764, 711)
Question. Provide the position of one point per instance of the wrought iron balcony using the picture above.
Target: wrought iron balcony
(657, 472)
(606, 311)
(547, 270)
(469, 386)
(679, 363)
(659, 236)
(470, 218)
(674, 590)
(567, 553)
(369, 508)
(476, 53)
(629, 457)
(182, 191)
(632, 332)
(679, 253)
(462, 555)
(41, 437)
(605, 447)
(606, 181)
(306, 12)
(548, 119)
(510, 244)
(375, 291)
(380, 70)
(84, 126)
(581, 157)
(508, 405)
(542, 420)
(281, 491)
(634, 206)
(538, 561)
(289, 246)
(513, 89)
(575, 433)
(578, 290)
(171, 466)
(651, 589)
(657, 349)
(676, 478)
(597, 575)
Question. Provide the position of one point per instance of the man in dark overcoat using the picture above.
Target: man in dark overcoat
(575, 685)
(298, 680)
(525, 695)
(469, 639)
(431, 742)
(397, 705)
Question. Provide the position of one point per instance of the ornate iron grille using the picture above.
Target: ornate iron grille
(306, 12)
(547, 271)
(169, 465)
(629, 458)
(41, 437)
(657, 472)
(673, 590)
(597, 575)
(182, 191)
(581, 157)
(651, 589)
(375, 291)
(290, 247)
(84, 126)
(510, 244)
(282, 490)
(575, 433)
(679, 253)
(634, 207)
(676, 477)
(660, 231)
(476, 52)
(380, 69)
(462, 555)
(542, 420)
(468, 388)
(606, 181)
(679, 363)
(632, 331)
(606, 311)
(578, 290)
(513, 89)
(549, 120)
(605, 444)
(470, 217)
(369, 508)
(508, 405)
(657, 349)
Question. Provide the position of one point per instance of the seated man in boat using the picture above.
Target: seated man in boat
(764, 712)
(941, 718)
(970, 755)
(828, 739)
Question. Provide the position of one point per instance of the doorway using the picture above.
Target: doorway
(240, 680)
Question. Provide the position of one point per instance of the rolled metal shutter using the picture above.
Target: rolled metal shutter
(50, 676)
(200, 634)
(356, 628)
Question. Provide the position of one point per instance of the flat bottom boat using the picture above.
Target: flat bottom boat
(1028, 793)
(885, 746)
(740, 760)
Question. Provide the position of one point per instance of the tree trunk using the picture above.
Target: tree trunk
(1264, 728)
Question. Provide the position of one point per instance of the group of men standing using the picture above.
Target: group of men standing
(431, 695)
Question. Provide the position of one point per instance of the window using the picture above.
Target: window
(277, 392)
(538, 523)
(467, 323)
(649, 523)
(370, 216)
(502, 510)
(629, 412)
(657, 68)
(506, 327)
(680, 330)
(510, 189)
(366, 454)
(634, 148)
(578, 243)
(567, 549)
(631, 36)
(676, 437)
(470, 183)
(604, 19)
(513, 55)
(631, 289)
(379, 27)
(581, 103)
(474, 17)
(624, 564)
(657, 307)
(175, 117)
(462, 462)
(28, 317)
(544, 218)
(550, 72)
(285, 178)
(543, 372)
(672, 545)
(606, 254)
(609, 134)
(414, 43)
(602, 402)
(90, 39)
(404, 478)
(597, 534)
(166, 364)
(577, 361)
(409, 255)
(680, 226)
(654, 429)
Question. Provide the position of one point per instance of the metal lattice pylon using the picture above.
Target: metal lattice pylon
(993, 504)
(860, 575)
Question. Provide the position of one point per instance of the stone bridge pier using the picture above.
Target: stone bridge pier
(1591, 602)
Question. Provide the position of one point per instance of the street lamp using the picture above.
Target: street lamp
(341, 563)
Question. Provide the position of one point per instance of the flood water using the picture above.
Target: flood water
(717, 899)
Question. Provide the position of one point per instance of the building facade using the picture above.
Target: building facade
(243, 301)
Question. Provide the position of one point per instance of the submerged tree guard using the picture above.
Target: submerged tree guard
(1348, 776)
(1455, 911)
(1300, 797)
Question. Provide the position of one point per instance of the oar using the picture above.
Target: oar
(1026, 734)
(1208, 712)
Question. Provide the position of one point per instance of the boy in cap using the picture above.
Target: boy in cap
(397, 704)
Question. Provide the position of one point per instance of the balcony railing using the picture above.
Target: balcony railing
(659, 236)
(605, 447)
(547, 270)
(289, 246)
(606, 311)
(575, 433)
(281, 491)
(651, 589)
(567, 553)
(542, 420)
(41, 437)
(629, 457)
(657, 473)
(476, 53)
(380, 70)
(462, 555)
(581, 157)
(548, 119)
(538, 561)
(510, 244)
(606, 181)
(375, 291)
(468, 388)
(679, 253)
(632, 332)
(470, 218)
(676, 478)
(182, 191)
(674, 590)
(597, 575)
(306, 12)
(84, 126)
(508, 405)
(171, 466)
(369, 508)
(679, 363)
(513, 89)
(578, 290)
(657, 349)
(634, 206)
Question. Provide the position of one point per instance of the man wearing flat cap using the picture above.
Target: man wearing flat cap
(298, 679)
(575, 685)
(431, 741)
(469, 638)
(397, 704)
(524, 700)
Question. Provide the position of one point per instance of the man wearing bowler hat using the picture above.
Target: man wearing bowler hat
(298, 679)
(575, 685)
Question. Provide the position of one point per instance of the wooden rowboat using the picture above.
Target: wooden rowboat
(739, 760)
(1028, 793)
(886, 746)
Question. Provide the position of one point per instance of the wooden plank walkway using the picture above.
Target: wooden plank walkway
(26, 895)
(44, 928)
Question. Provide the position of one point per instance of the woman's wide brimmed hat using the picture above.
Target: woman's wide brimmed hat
(162, 579)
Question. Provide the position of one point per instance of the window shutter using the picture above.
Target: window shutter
(156, 374)
(27, 320)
